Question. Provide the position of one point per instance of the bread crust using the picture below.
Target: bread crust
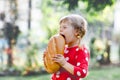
(55, 46)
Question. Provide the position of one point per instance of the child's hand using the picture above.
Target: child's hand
(59, 59)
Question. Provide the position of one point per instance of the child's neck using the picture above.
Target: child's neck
(72, 46)
(77, 43)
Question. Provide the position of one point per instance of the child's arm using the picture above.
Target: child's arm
(61, 60)
(81, 67)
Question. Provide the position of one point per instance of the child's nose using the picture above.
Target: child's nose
(61, 30)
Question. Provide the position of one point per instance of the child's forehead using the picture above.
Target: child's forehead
(64, 21)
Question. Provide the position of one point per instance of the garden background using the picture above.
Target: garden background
(27, 25)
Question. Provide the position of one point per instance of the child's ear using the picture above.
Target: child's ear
(77, 35)
(77, 32)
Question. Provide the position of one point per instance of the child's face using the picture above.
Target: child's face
(68, 32)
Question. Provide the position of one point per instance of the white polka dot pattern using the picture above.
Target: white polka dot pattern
(74, 56)
(86, 51)
(78, 63)
(86, 58)
(66, 51)
(68, 78)
(57, 76)
(80, 79)
(78, 73)
(84, 71)
(77, 49)
(67, 58)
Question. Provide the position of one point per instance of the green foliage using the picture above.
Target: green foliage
(96, 5)
(99, 5)
(72, 4)
(31, 55)
(31, 62)
(51, 13)
(47, 21)
(97, 17)
(107, 73)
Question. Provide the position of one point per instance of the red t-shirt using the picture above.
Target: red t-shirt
(79, 57)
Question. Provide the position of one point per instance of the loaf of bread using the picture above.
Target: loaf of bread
(55, 46)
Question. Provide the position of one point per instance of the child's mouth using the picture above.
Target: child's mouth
(63, 36)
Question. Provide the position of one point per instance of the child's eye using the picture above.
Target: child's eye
(64, 27)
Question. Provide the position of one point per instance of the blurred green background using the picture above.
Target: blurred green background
(27, 25)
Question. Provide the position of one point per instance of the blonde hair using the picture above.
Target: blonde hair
(78, 23)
